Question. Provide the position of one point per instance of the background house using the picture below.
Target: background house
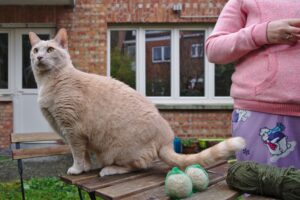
(155, 46)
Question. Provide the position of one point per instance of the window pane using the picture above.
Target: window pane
(28, 81)
(194, 51)
(191, 63)
(167, 54)
(3, 60)
(158, 74)
(157, 54)
(123, 56)
(223, 79)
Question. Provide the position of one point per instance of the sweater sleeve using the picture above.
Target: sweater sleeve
(230, 39)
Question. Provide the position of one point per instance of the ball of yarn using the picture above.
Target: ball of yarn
(198, 176)
(177, 184)
(254, 178)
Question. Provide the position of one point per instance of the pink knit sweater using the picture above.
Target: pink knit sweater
(267, 76)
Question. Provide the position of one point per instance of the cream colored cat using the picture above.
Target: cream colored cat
(104, 116)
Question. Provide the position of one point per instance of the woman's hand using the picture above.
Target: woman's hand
(284, 31)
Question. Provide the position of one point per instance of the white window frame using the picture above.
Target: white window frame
(209, 97)
(11, 63)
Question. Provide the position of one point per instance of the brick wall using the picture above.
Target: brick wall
(199, 123)
(5, 124)
(87, 26)
(160, 11)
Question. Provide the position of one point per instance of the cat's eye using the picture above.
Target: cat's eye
(50, 49)
(35, 50)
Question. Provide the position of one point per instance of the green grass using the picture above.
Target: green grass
(50, 188)
(2, 158)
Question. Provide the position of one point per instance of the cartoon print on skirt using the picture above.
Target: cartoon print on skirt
(276, 141)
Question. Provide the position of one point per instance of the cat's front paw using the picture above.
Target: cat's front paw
(111, 170)
(74, 171)
(107, 171)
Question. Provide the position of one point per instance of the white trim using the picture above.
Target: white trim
(175, 69)
(190, 100)
(158, 38)
(141, 76)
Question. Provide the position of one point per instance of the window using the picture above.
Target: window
(168, 65)
(197, 50)
(3, 60)
(161, 54)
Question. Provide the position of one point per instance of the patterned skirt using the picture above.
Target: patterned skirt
(270, 139)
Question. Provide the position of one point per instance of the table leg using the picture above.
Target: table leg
(92, 195)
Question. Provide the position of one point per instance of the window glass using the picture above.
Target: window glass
(158, 65)
(223, 79)
(157, 54)
(167, 53)
(123, 56)
(191, 63)
(28, 81)
(3, 61)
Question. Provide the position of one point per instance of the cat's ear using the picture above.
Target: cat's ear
(34, 39)
(62, 38)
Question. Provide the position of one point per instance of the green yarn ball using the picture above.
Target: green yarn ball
(198, 176)
(178, 185)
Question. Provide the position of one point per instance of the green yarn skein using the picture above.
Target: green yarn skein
(254, 178)
(177, 184)
(198, 176)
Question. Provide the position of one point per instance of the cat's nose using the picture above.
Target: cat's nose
(40, 58)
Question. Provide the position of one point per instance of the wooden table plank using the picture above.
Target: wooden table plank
(255, 197)
(73, 179)
(40, 152)
(33, 137)
(159, 192)
(132, 187)
(219, 191)
(93, 184)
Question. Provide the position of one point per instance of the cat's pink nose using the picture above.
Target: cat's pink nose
(40, 58)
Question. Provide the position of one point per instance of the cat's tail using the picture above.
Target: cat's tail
(206, 157)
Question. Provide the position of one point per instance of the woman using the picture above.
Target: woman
(261, 37)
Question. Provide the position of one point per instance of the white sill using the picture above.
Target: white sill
(194, 106)
(6, 97)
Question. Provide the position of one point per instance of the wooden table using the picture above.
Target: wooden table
(149, 184)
